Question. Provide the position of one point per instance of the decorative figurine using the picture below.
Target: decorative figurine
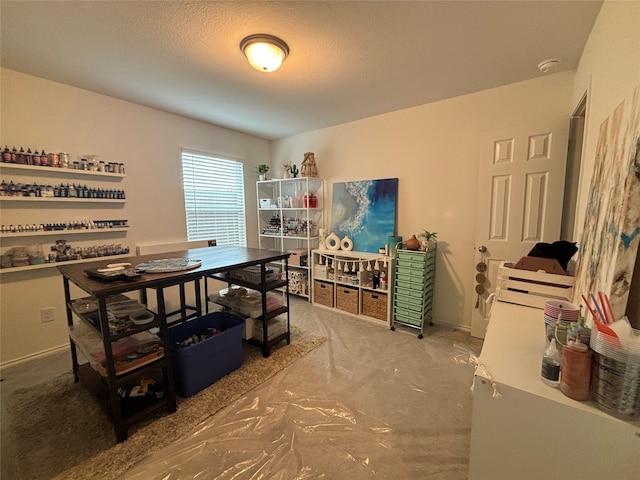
(287, 170)
(308, 167)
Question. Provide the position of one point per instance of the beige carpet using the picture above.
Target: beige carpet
(58, 430)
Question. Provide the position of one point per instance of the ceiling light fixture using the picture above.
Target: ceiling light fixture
(546, 65)
(264, 52)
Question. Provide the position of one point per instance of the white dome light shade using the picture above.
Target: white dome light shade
(264, 52)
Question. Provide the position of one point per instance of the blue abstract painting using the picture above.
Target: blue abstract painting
(365, 211)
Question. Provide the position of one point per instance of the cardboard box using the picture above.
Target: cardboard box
(299, 257)
(537, 264)
(199, 365)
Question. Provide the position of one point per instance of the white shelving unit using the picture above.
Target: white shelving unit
(344, 280)
(17, 210)
(290, 215)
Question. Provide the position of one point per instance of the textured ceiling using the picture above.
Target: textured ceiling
(349, 60)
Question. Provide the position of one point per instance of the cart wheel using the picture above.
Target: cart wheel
(392, 328)
(420, 336)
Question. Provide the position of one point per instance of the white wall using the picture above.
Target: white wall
(609, 70)
(433, 150)
(39, 114)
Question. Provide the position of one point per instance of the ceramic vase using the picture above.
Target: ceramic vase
(333, 242)
(347, 244)
(413, 243)
(322, 239)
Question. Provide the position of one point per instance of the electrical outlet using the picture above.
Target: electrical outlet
(46, 315)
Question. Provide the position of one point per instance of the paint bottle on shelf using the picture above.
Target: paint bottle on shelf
(576, 370)
(550, 371)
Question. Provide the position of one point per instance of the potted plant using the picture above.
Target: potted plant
(426, 238)
(262, 171)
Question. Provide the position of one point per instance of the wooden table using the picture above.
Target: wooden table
(217, 262)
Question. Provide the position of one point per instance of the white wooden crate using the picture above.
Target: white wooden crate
(533, 289)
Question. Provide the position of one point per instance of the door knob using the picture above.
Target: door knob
(482, 249)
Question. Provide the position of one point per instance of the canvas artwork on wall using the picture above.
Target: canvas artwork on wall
(365, 211)
(611, 231)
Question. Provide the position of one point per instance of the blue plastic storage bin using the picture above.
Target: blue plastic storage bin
(198, 366)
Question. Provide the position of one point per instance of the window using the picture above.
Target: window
(214, 198)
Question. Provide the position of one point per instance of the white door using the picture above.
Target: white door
(520, 194)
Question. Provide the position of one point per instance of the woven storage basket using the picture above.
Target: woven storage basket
(323, 293)
(347, 299)
(374, 304)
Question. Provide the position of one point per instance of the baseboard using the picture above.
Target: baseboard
(41, 354)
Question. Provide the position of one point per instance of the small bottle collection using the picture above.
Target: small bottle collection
(11, 189)
(566, 337)
(289, 227)
(62, 252)
(598, 363)
(68, 225)
(59, 252)
(364, 273)
(89, 163)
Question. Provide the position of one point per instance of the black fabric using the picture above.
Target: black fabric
(561, 250)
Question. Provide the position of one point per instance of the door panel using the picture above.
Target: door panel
(520, 194)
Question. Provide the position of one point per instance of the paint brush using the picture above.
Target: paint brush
(609, 308)
(593, 314)
(604, 308)
(602, 317)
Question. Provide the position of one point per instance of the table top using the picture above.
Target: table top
(512, 354)
(214, 260)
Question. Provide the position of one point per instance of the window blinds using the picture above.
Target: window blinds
(214, 199)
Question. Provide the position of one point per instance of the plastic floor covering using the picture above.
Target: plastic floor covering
(369, 403)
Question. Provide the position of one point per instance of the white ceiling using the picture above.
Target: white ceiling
(349, 59)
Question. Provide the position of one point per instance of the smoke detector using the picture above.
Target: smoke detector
(546, 65)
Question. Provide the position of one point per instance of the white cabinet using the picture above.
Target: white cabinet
(529, 430)
(353, 282)
(290, 215)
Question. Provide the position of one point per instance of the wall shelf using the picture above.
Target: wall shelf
(57, 264)
(62, 200)
(36, 211)
(59, 171)
(42, 233)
